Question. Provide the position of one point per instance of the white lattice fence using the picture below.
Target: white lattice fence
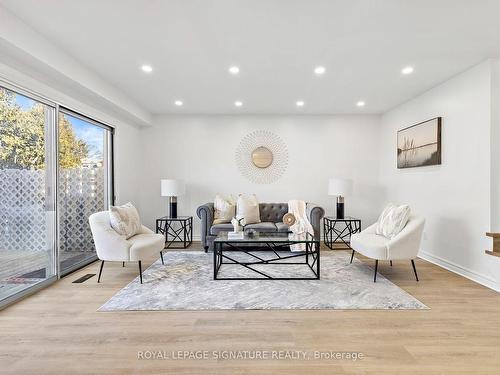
(81, 194)
(22, 214)
(22, 217)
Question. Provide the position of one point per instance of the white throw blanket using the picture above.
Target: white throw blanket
(302, 225)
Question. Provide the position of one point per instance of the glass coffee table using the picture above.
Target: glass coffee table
(266, 256)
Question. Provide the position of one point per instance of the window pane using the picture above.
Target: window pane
(83, 187)
(26, 201)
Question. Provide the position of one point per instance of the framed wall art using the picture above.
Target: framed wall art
(419, 145)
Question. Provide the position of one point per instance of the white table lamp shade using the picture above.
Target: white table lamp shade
(172, 188)
(339, 187)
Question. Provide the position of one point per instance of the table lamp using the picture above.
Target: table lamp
(172, 189)
(340, 187)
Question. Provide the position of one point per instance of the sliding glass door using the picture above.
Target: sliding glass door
(84, 185)
(27, 193)
(55, 171)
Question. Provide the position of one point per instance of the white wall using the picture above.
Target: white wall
(455, 196)
(127, 164)
(495, 145)
(201, 150)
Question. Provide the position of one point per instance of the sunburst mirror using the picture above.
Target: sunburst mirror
(262, 157)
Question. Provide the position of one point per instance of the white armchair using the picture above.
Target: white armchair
(405, 245)
(110, 246)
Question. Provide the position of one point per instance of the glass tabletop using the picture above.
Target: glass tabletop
(346, 218)
(175, 218)
(263, 237)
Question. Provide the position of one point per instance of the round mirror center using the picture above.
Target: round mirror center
(262, 157)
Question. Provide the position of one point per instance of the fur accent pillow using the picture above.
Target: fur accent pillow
(392, 220)
(247, 208)
(383, 217)
(125, 220)
(224, 209)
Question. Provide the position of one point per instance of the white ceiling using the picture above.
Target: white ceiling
(276, 43)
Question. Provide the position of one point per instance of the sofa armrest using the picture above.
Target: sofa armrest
(206, 214)
(315, 213)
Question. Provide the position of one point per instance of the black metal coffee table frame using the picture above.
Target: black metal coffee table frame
(223, 247)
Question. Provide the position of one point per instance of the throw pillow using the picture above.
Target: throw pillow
(392, 220)
(247, 208)
(383, 218)
(125, 220)
(224, 209)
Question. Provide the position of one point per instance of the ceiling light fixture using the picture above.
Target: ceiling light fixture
(238, 103)
(300, 103)
(360, 103)
(407, 70)
(179, 103)
(147, 68)
(319, 70)
(234, 70)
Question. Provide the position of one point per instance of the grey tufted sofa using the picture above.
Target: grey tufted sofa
(271, 216)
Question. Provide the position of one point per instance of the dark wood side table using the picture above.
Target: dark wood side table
(178, 231)
(339, 231)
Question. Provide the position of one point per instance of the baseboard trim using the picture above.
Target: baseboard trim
(455, 268)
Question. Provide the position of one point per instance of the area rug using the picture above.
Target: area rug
(186, 282)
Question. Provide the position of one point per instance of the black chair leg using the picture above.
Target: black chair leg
(391, 263)
(161, 254)
(376, 267)
(414, 269)
(140, 271)
(100, 271)
(352, 255)
(206, 249)
(123, 264)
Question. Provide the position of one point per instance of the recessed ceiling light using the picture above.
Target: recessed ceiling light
(147, 68)
(407, 70)
(178, 103)
(234, 70)
(360, 103)
(319, 70)
(300, 103)
(238, 103)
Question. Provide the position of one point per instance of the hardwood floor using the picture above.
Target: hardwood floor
(59, 331)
